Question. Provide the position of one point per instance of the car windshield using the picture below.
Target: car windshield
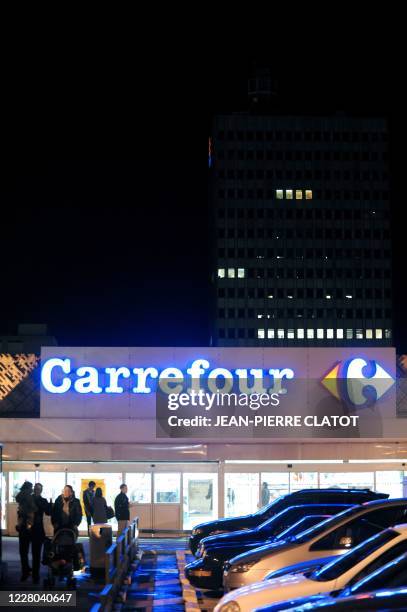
(304, 523)
(308, 534)
(265, 509)
(345, 562)
(282, 519)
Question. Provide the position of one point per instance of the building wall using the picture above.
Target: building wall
(303, 271)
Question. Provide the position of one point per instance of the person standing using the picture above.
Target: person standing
(88, 499)
(37, 530)
(265, 494)
(67, 511)
(99, 507)
(25, 520)
(122, 509)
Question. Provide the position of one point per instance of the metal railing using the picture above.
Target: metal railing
(118, 559)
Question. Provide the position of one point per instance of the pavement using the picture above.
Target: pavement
(87, 588)
(158, 581)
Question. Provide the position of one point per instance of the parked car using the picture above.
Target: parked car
(383, 589)
(334, 536)
(342, 571)
(207, 572)
(305, 496)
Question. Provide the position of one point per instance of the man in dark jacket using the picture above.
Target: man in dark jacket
(37, 531)
(25, 520)
(67, 511)
(122, 509)
(88, 498)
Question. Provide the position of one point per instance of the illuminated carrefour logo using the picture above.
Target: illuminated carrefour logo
(58, 375)
(358, 381)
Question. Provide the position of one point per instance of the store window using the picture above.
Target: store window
(167, 488)
(53, 483)
(391, 482)
(200, 498)
(303, 480)
(139, 487)
(273, 485)
(15, 482)
(347, 480)
(2, 501)
(241, 494)
(109, 483)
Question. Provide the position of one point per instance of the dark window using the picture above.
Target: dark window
(343, 563)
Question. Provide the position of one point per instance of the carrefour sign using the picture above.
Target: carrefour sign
(60, 376)
(128, 383)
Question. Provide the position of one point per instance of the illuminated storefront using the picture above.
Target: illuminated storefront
(101, 419)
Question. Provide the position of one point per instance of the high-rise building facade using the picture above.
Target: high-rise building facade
(302, 246)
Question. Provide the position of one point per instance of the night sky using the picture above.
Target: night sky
(104, 213)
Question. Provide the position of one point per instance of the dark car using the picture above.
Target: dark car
(207, 572)
(377, 587)
(305, 496)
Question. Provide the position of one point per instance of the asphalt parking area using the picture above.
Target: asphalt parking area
(159, 583)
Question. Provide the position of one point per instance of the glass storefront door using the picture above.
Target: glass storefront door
(241, 493)
(200, 498)
(167, 501)
(273, 485)
(140, 496)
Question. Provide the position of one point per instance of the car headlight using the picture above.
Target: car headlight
(230, 606)
(197, 531)
(242, 567)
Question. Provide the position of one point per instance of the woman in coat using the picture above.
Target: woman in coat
(67, 511)
(99, 507)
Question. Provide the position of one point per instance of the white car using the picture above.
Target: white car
(338, 573)
(335, 536)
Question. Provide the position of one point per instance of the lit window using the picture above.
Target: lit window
(279, 194)
(379, 334)
(308, 194)
(259, 316)
(221, 272)
(359, 334)
(280, 333)
(231, 273)
(260, 333)
(289, 194)
(329, 334)
(320, 334)
(290, 334)
(270, 334)
(339, 334)
(310, 333)
(300, 334)
(240, 272)
(349, 334)
(348, 297)
(387, 334)
(298, 194)
(369, 334)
